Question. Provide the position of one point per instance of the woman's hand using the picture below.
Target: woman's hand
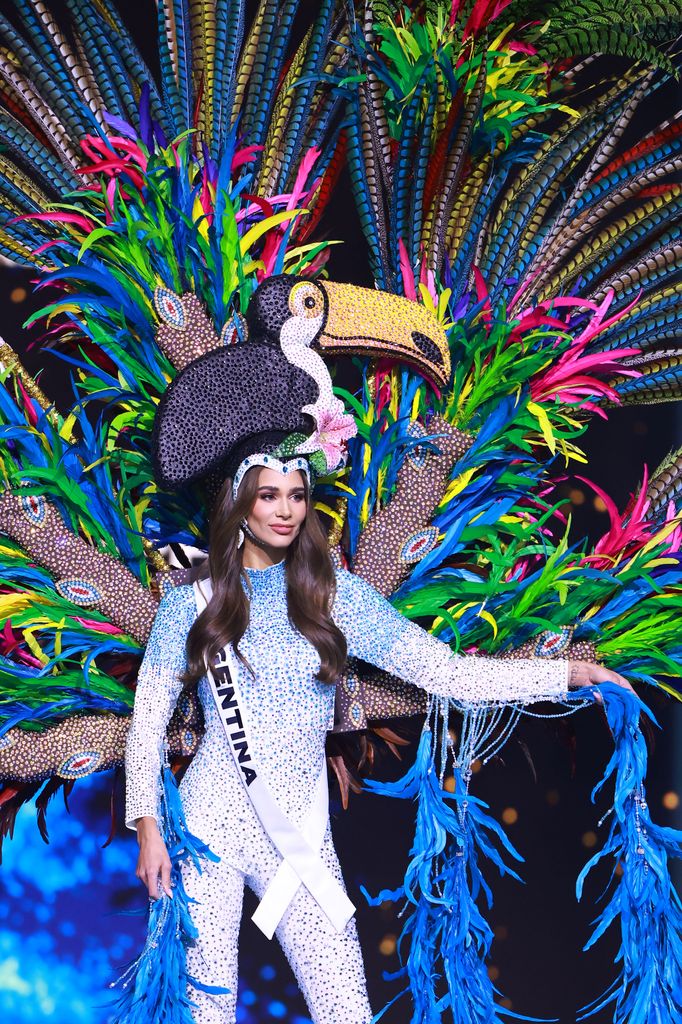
(153, 863)
(586, 673)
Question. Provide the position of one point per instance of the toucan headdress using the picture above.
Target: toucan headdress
(268, 399)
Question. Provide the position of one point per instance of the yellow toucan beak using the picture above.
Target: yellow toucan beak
(362, 321)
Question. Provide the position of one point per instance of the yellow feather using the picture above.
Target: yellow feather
(661, 535)
(258, 230)
(344, 487)
(457, 485)
(246, 62)
(273, 161)
(488, 618)
(33, 645)
(12, 604)
(58, 637)
(252, 266)
(199, 218)
(10, 552)
(545, 425)
(669, 690)
(16, 247)
(364, 511)
(332, 513)
(293, 255)
(66, 429)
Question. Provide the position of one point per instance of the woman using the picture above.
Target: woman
(290, 621)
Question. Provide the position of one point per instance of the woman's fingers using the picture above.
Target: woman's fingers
(155, 875)
(586, 673)
(166, 878)
(606, 675)
(150, 880)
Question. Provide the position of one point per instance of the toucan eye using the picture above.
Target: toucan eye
(306, 300)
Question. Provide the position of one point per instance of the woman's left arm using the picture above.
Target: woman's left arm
(377, 633)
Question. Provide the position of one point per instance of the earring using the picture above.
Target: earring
(240, 537)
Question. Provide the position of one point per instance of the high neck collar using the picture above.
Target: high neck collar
(263, 580)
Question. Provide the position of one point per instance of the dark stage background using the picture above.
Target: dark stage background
(72, 913)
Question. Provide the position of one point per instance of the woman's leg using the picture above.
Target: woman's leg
(219, 894)
(327, 964)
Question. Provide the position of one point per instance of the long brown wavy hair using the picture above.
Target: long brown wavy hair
(310, 586)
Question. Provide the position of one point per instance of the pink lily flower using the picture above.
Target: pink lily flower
(335, 426)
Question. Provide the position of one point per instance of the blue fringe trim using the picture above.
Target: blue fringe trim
(155, 985)
(641, 896)
(445, 940)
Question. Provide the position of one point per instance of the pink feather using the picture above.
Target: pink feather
(245, 156)
(98, 627)
(307, 164)
(627, 532)
(407, 273)
(483, 297)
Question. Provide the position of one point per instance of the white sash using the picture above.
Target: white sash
(300, 849)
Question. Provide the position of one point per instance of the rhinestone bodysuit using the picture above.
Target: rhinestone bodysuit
(289, 713)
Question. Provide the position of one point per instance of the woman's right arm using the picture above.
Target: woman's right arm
(158, 688)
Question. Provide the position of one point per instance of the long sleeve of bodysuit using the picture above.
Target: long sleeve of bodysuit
(377, 633)
(158, 689)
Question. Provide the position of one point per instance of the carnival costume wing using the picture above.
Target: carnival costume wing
(131, 193)
(540, 256)
(493, 185)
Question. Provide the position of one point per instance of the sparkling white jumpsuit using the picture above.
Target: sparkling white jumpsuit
(289, 714)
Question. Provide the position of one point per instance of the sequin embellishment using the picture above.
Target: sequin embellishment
(33, 507)
(8, 739)
(80, 591)
(549, 645)
(76, 766)
(418, 545)
(270, 462)
(417, 454)
(169, 307)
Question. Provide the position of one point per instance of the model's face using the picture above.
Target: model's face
(279, 509)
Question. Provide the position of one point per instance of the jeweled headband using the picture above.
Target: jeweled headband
(271, 462)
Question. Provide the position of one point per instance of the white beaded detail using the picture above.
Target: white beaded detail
(271, 462)
(290, 712)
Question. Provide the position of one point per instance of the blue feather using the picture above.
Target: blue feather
(24, 146)
(413, 228)
(253, 127)
(296, 137)
(155, 985)
(356, 169)
(229, 22)
(404, 171)
(643, 902)
(445, 940)
(625, 245)
(46, 70)
(98, 53)
(175, 93)
(605, 186)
